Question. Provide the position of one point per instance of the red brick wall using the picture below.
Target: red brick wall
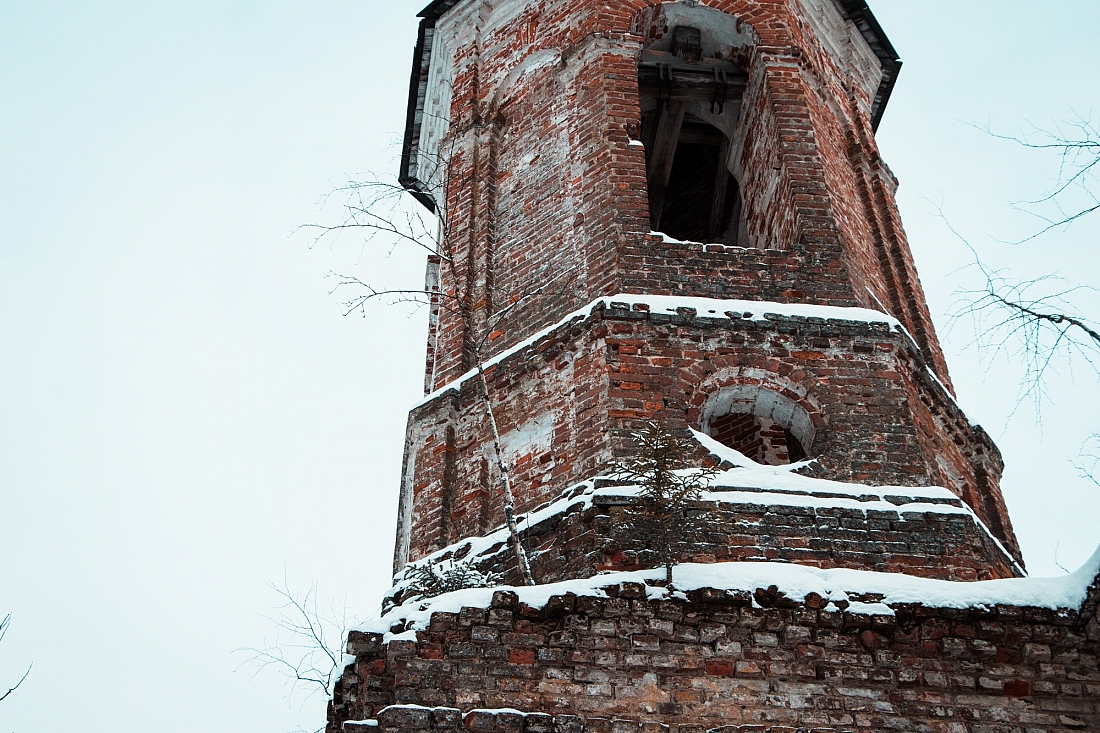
(582, 540)
(543, 180)
(546, 209)
(725, 658)
(579, 393)
(658, 267)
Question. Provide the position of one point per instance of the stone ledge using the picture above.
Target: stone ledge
(929, 532)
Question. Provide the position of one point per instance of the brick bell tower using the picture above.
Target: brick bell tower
(672, 211)
(677, 211)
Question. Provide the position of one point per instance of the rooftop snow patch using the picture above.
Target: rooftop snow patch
(796, 582)
(754, 310)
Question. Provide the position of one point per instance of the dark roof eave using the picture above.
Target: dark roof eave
(407, 176)
(410, 149)
(856, 10)
(860, 14)
(436, 9)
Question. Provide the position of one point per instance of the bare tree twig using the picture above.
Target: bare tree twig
(17, 684)
(309, 641)
(1063, 568)
(1078, 153)
(5, 624)
(1088, 462)
(1030, 321)
(378, 207)
(393, 296)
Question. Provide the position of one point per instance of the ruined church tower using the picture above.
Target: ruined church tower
(677, 212)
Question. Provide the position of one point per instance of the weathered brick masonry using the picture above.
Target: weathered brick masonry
(749, 525)
(677, 211)
(879, 416)
(718, 659)
(529, 121)
(541, 175)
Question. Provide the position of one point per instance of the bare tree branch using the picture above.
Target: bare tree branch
(419, 297)
(1088, 463)
(378, 207)
(1072, 196)
(5, 624)
(17, 684)
(1033, 322)
(1036, 321)
(309, 641)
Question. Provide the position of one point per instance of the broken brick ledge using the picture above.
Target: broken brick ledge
(1065, 600)
(919, 531)
(446, 719)
(693, 659)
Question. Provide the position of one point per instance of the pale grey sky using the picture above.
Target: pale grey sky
(183, 410)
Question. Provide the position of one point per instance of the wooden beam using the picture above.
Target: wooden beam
(721, 185)
(659, 165)
(649, 130)
(699, 135)
(706, 67)
(688, 90)
(732, 235)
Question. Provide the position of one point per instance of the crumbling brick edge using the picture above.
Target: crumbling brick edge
(1039, 651)
(400, 718)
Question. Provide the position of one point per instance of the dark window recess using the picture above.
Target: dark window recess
(702, 201)
(692, 194)
(795, 451)
(760, 439)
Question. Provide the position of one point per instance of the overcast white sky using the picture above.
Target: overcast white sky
(184, 412)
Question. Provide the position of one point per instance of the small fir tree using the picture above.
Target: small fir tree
(667, 512)
(434, 579)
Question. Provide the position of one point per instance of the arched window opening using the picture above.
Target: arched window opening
(690, 98)
(763, 425)
(760, 439)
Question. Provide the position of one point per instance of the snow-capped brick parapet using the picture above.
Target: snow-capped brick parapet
(760, 513)
(746, 644)
(575, 537)
(569, 399)
(397, 718)
(415, 719)
(680, 306)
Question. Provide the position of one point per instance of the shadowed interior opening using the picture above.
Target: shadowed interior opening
(761, 424)
(693, 195)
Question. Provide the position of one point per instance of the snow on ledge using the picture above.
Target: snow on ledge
(468, 713)
(706, 246)
(795, 581)
(754, 310)
(748, 482)
(747, 473)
